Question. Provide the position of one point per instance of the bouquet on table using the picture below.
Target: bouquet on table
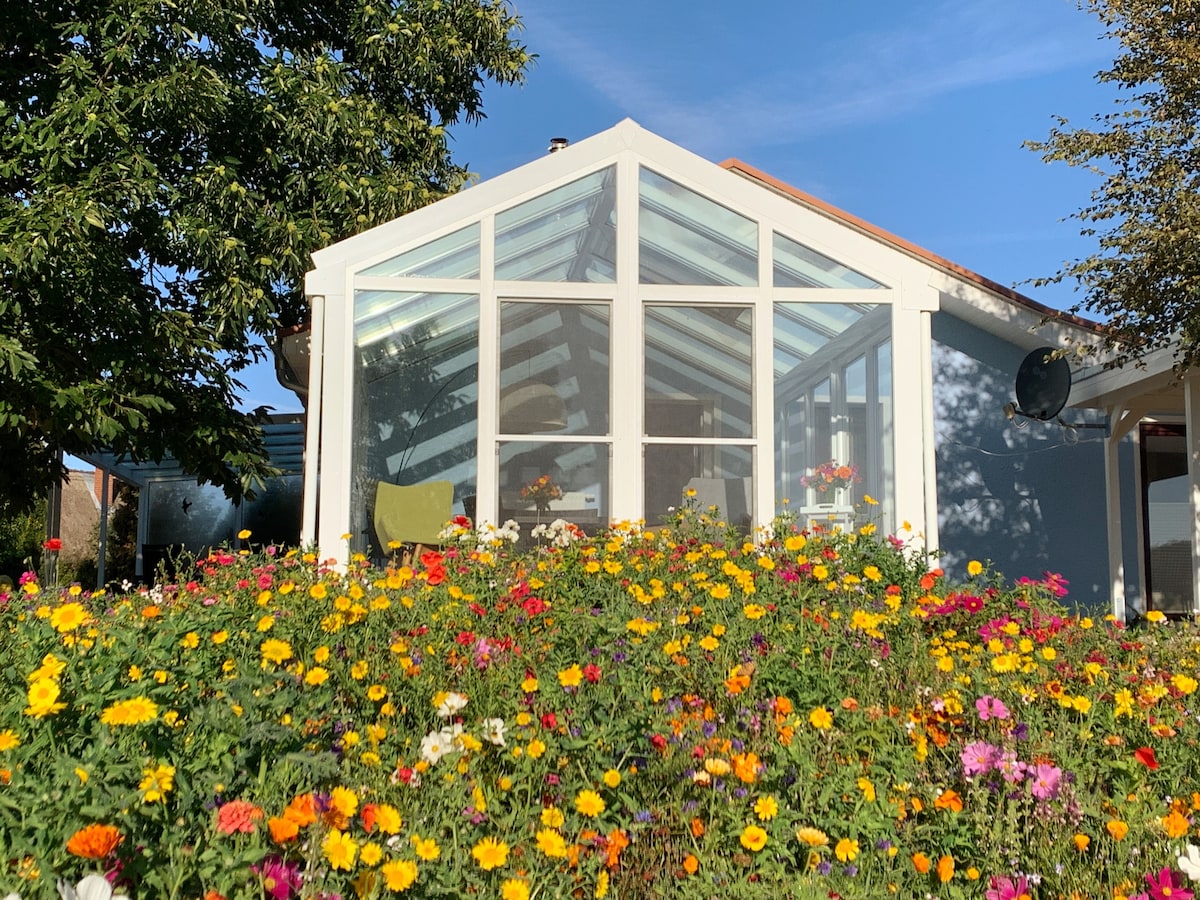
(830, 477)
(541, 491)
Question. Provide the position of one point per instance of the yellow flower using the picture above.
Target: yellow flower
(753, 838)
(612, 778)
(243, 534)
(846, 850)
(974, 567)
(339, 850)
(276, 651)
(821, 718)
(190, 641)
(754, 611)
(589, 803)
(552, 817)
(9, 740)
(571, 677)
(426, 848)
(316, 675)
(535, 749)
(514, 889)
(51, 668)
(551, 843)
(1116, 829)
(43, 699)
(399, 874)
(68, 617)
(134, 711)
(766, 808)
(490, 853)
(371, 854)
(156, 783)
(812, 837)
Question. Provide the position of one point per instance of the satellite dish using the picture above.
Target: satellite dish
(1043, 384)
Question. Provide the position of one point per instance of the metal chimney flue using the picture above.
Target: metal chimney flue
(558, 143)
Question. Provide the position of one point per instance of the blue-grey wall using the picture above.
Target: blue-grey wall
(1028, 496)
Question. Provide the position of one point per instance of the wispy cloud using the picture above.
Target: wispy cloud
(805, 85)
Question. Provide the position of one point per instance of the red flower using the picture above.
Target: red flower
(54, 544)
(1145, 755)
(591, 672)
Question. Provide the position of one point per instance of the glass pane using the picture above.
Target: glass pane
(698, 371)
(568, 234)
(719, 476)
(548, 353)
(186, 515)
(541, 481)
(799, 266)
(416, 398)
(833, 407)
(1168, 520)
(452, 256)
(273, 516)
(685, 238)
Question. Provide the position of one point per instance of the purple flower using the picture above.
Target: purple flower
(1007, 888)
(1044, 781)
(979, 757)
(990, 707)
(279, 878)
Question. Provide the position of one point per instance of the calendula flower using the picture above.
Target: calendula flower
(276, 651)
(821, 718)
(551, 843)
(426, 849)
(9, 740)
(846, 850)
(812, 837)
(68, 617)
(514, 889)
(94, 841)
(43, 699)
(766, 808)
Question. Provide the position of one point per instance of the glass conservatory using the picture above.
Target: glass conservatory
(612, 330)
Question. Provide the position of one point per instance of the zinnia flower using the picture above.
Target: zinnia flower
(238, 816)
(94, 841)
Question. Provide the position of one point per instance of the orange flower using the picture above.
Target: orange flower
(921, 862)
(283, 829)
(94, 841)
(1081, 842)
(697, 827)
(617, 841)
(945, 868)
(1117, 829)
(690, 864)
(1175, 824)
(238, 816)
(949, 800)
(745, 766)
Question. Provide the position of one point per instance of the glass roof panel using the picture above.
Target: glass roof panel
(801, 329)
(568, 234)
(455, 255)
(799, 266)
(380, 316)
(685, 238)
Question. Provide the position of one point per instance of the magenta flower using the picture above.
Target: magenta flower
(1008, 889)
(1165, 887)
(279, 878)
(990, 707)
(1044, 781)
(1010, 768)
(979, 757)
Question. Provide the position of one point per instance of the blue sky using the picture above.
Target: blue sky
(910, 115)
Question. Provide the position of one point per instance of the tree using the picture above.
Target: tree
(1144, 280)
(166, 171)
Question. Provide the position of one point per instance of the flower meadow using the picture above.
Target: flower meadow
(669, 711)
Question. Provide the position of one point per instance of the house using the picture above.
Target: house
(634, 324)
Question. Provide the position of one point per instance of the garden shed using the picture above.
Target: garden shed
(636, 325)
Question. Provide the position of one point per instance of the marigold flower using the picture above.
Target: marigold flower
(691, 865)
(821, 718)
(753, 838)
(1175, 824)
(490, 853)
(94, 841)
(945, 868)
(812, 837)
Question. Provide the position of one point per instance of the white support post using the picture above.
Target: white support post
(1191, 406)
(333, 516)
(1112, 505)
(312, 421)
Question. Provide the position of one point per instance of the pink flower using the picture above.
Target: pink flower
(1008, 889)
(1165, 887)
(979, 757)
(1045, 780)
(990, 707)
(279, 879)
(1010, 768)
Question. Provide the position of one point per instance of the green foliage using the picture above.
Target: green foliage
(167, 170)
(1144, 280)
(21, 536)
